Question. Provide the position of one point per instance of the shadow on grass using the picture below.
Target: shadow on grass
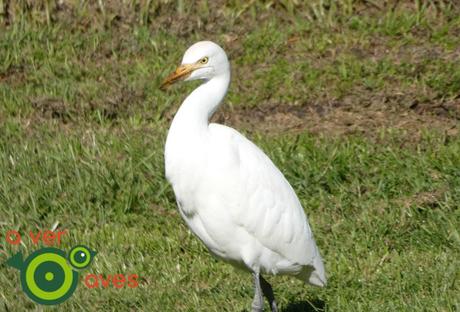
(305, 306)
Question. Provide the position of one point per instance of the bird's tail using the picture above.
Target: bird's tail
(318, 275)
(313, 274)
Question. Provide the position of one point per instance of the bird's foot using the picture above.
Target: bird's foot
(273, 306)
(257, 307)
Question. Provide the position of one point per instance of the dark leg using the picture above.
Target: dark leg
(268, 293)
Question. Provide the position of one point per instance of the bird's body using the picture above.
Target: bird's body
(229, 192)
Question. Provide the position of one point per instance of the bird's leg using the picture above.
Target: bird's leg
(268, 293)
(258, 302)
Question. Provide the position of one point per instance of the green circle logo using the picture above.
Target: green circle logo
(80, 256)
(46, 276)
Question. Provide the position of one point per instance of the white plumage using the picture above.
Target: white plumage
(229, 192)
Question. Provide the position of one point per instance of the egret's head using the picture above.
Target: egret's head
(203, 60)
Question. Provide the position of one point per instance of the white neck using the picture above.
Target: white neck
(200, 105)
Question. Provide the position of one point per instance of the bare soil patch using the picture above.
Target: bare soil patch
(337, 119)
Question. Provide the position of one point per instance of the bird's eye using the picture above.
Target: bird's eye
(204, 60)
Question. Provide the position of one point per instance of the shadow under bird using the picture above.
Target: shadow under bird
(230, 194)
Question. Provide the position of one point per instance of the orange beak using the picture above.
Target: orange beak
(181, 73)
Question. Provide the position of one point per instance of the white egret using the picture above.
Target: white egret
(230, 194)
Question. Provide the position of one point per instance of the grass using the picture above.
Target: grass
(374, 153)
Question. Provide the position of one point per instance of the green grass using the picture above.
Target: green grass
(82, 128)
